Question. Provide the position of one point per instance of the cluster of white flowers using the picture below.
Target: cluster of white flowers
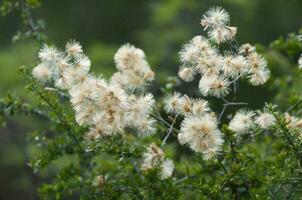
(153, 158)
(103, 106)
(134, 71)
(199, 128)
(244, 120)
(215, 22)
(219, 70)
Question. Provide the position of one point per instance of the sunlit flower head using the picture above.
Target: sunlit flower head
(153, 158)
(73, 48)
(235, 65)
(214, 86)
(49, 53)
(187, 74)
(173, 102)
(265, 120)
(215, 17)
(242, 121)
(42, 73)
(202, 135)
(259, 77)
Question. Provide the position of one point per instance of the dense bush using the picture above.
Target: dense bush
(118, 141)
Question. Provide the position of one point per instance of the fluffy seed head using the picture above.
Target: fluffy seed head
(242, 121)
(265, 120)
(42, 73)
(215, 17)
(202, 135)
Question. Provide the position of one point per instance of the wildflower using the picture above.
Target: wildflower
(214, 85)
(224, 34)
(214, 18)
(259, 77)
(167, 169)
(155, 158)
(145, 126)
(186, 74)
(292, 121)
(140, 106)
(235, 65)
(93, 134)
(74, 48)
(82, 62)
(300, 62)
(199, 107)
(247, 49)
(189, 53)
(42, 73)
(85, 114)
(134, 70)
(202, 135)
(49, 53)
(128, 56)
(172, 103)
(186, 105)
(265, 120)
(242, 121)
(256, 62)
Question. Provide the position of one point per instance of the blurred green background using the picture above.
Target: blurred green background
(159, 27)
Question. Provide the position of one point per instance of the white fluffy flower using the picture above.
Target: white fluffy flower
(199, 107)
(187, 74)
(42, 73)
(214, 18)
(265, 120)
(259, 77)
(172, 103)
(188, 53)
(235, 65)
(167, 169)
(214, 86)
(221, 35)
(292, 121)
(246, 49)
(153, 158)
(49, 53)
(134, 70)
(140, 106)
(74, 48)
(202, 135)
(242, 121)
(128, 56)
(145, 126)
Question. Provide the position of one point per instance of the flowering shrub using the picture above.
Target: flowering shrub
(130, 145)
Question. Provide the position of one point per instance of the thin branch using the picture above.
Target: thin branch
(235, 104)
(170, 130)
